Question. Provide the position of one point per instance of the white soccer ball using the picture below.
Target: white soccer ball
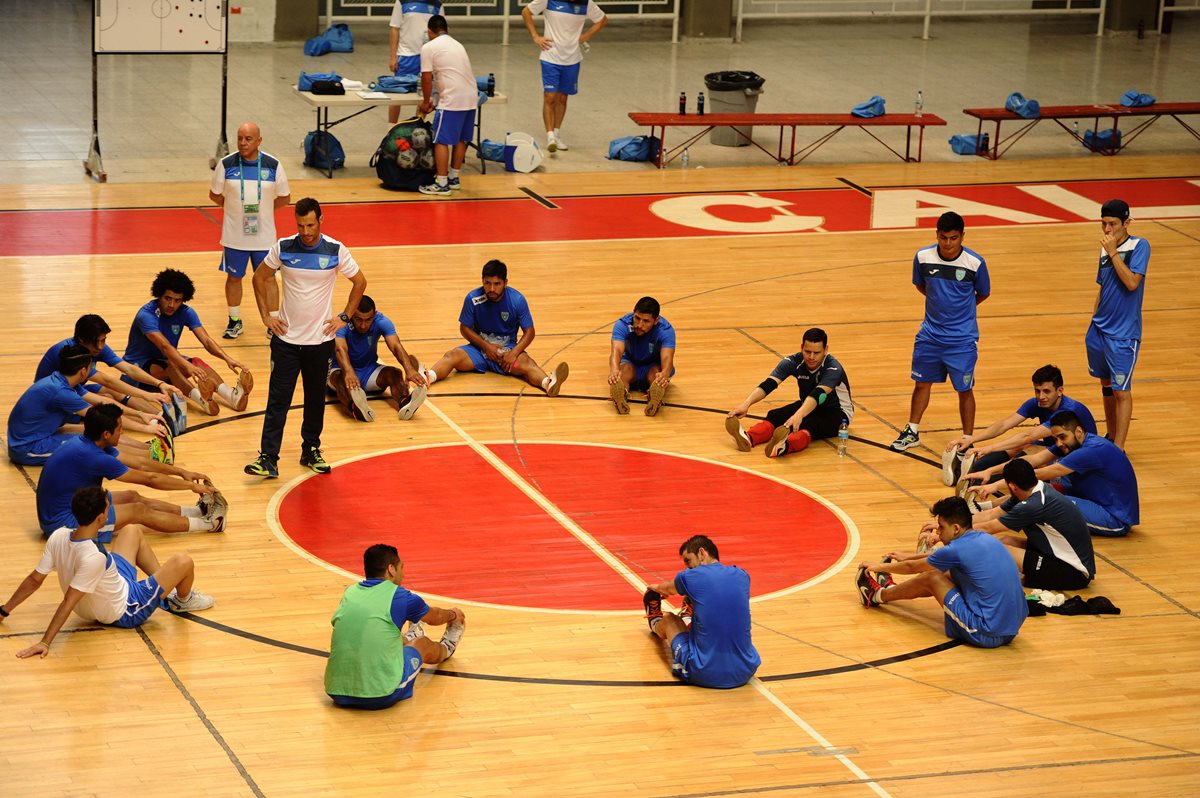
(420, 138)
(427, 159)
(407, 159)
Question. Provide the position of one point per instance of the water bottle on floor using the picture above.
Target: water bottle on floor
(920, 103)
(683, 159)
(843, 439)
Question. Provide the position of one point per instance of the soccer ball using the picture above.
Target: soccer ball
(420, 138)
(407, 159)
(427, 159)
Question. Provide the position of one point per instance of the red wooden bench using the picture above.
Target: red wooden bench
(783, 121)
(1056, 113)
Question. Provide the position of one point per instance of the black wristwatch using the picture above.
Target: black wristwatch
(344, 318)
(3, 612)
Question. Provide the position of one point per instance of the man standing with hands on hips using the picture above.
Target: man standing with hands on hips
(562, 53)
(249, 185)
(303, 327)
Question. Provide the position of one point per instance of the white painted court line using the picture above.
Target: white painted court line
(819, 738)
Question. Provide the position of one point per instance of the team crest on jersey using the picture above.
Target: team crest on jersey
(504, 315)
(176, 329)
(323, 262)
(959, 274)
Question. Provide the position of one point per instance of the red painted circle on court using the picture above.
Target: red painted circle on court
(466, 531)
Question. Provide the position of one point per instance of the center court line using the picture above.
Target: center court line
(594, 546)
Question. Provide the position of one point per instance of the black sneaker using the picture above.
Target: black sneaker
(234, 328)
(652, 601)
(313, 460)
(868, 582)
(264, 466)
(907, 440)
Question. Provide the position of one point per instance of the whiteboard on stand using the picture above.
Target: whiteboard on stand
(159, 26)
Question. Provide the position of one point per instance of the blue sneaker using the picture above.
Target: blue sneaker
(454, 184)
(436, 189)
(264, 466)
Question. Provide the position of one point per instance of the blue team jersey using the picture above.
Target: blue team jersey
(140, 350)
(49, 363)
(1101, 473)
(1030, 409)
(1119, 312)
(78, 463)
(644, 350)
(406, 605)
(42, 409)
(496, 322)
(988, 579)
(951, 289)
(722, 652)
(363, 347)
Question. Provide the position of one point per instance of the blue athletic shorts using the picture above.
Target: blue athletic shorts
(962, 623)
(408, 65)
(144, 595)
(1111, 359)
(233, 261)
(932, 362)
(482, 362)
(36, 453)
(412, 666)
(106, 532)
(452, 127)
(640, 374)
(368, 376)
(1099, 520)
(560, 79)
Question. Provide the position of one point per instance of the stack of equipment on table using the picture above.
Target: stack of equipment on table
(404, 159)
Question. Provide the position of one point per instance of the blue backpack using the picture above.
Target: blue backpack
(337, 39)
(1135, 99)
(1026, 109)
(1104, 141)
(871, 108)
(965, 144)
(331, 146)
(634, 148)
(492, 150)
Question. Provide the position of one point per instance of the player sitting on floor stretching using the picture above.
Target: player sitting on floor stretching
(358, 370)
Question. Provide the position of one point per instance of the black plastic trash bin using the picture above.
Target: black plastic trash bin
(733, 92)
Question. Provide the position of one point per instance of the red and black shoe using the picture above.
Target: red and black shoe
(868, 583)
(652, 601)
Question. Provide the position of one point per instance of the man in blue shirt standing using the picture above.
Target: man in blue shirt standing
(715, 650)
(642, 356)
(953, 280)
(972, 576)
(358, 370)
(1114, 337)
(490, 319)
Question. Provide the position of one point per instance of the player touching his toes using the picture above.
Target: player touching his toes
(642, 356)
(358, 370)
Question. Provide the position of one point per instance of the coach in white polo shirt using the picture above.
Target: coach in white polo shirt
(303, 327)
(444, 63)
(562, 52)
(248, 185)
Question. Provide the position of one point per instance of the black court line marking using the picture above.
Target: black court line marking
(815, 785)
(538, 198)
(208, 724)
(856, 186)
(1147, 585)
(209, 216)
(1173, 230)
(21, 470)
(60, 632)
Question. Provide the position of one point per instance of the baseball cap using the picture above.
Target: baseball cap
(1118, 209)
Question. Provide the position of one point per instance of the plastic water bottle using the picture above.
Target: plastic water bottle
(682, 103)
(683, 159)
(985, 144)
(1075, 128)
(700, 104)
(491, 89)
(843, 439)
(920, 102)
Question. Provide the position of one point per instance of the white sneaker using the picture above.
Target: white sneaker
(950, 462)
(968, 462)
(734, 428)
(452, 636)
(241, 392)
(195, 602)
(557, 379)
(416, 398)
(359, 397)
(562, 145)
(415, 630)
(551, 142)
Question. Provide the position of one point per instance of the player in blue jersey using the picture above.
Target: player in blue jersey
(47, 414)
(100, 584)
(965, 455)
(562, 51)
(642, 356)
(249, 186)
(1054, 548)
(88, 459)
(823, 407)
(154, 346)
(972, 576)
(490, 319)
(372, 665)
(715, 650)
(1114, 338)
(953, 280)
(1091, 471)
(91, 331)
(358, 370)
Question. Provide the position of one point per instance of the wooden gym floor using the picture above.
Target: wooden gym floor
(538, 517)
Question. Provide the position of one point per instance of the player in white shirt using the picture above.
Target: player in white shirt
(249, 185)
(102, 585)
(446, 66)
(406, 36)
(562, 51)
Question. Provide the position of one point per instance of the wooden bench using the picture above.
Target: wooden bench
(1057, 113)
(783, 121)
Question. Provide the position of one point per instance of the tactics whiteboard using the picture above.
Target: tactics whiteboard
(159, 26)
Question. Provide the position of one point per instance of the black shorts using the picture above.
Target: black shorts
(1047, 572)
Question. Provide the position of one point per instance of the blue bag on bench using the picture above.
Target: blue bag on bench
(333, 149)
(1132, 99)
(395, 84)
(305, 83)
(871, 108)
(634, 148)
(965, 144)
(1027, 109)
(1105, 141)
(337, 39)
